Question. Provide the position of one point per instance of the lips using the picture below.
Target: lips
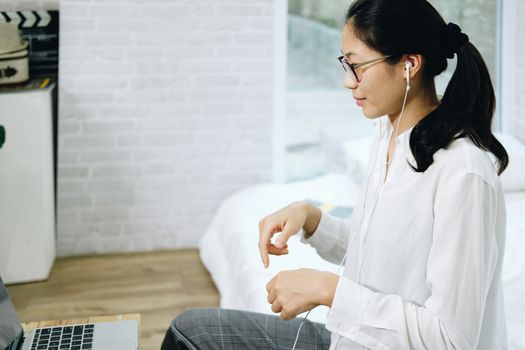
(360, 101)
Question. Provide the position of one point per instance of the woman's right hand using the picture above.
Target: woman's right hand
(288, 220)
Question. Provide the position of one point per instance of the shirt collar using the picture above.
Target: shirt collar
(384, 129)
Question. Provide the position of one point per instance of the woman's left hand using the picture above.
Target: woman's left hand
(297, 291)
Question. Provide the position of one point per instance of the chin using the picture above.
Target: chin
(371, 114)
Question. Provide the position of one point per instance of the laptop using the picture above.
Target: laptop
(118, 335)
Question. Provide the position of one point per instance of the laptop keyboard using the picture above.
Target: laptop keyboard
(78, 337)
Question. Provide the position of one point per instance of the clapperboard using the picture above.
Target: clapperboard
(40, 29)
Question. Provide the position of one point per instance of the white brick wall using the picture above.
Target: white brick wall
(165, 109)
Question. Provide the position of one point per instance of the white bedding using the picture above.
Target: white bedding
(514, 270)
(229, 247)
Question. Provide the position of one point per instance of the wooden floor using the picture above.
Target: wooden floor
(157, 285)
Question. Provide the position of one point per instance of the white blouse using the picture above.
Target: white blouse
(425, 252)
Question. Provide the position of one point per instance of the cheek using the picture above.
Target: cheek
(381, 95)
(376, 104)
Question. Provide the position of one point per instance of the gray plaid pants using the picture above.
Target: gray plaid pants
(233, 329)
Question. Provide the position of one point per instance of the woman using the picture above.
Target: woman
(425, 244)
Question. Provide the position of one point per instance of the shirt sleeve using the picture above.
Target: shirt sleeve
(461, 264)
(330, 238)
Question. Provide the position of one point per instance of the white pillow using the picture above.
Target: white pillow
(357, 152)
(513, 178)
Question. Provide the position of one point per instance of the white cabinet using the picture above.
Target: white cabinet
(27, 195)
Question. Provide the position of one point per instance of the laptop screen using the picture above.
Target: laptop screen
(10, 327)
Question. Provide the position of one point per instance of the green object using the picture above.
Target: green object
(2, 136)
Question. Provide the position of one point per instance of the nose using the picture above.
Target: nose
(350, 82)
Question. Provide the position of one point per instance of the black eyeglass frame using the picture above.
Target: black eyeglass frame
(353, 66)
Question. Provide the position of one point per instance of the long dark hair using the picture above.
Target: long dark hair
(397, 27)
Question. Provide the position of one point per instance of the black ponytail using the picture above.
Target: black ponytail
(396, 27)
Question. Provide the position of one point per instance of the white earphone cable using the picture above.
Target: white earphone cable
(364, 205)
(308, 313)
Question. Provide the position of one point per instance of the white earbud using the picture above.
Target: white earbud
(408, 65)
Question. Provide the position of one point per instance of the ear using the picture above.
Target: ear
(416, 62)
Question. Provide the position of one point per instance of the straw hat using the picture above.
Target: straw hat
(14, 60)
(10, 40)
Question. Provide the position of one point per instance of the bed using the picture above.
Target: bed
(229, 246)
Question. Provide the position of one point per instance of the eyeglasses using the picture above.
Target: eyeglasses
(352, 67)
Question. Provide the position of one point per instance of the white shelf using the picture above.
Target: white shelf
(27, 202)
